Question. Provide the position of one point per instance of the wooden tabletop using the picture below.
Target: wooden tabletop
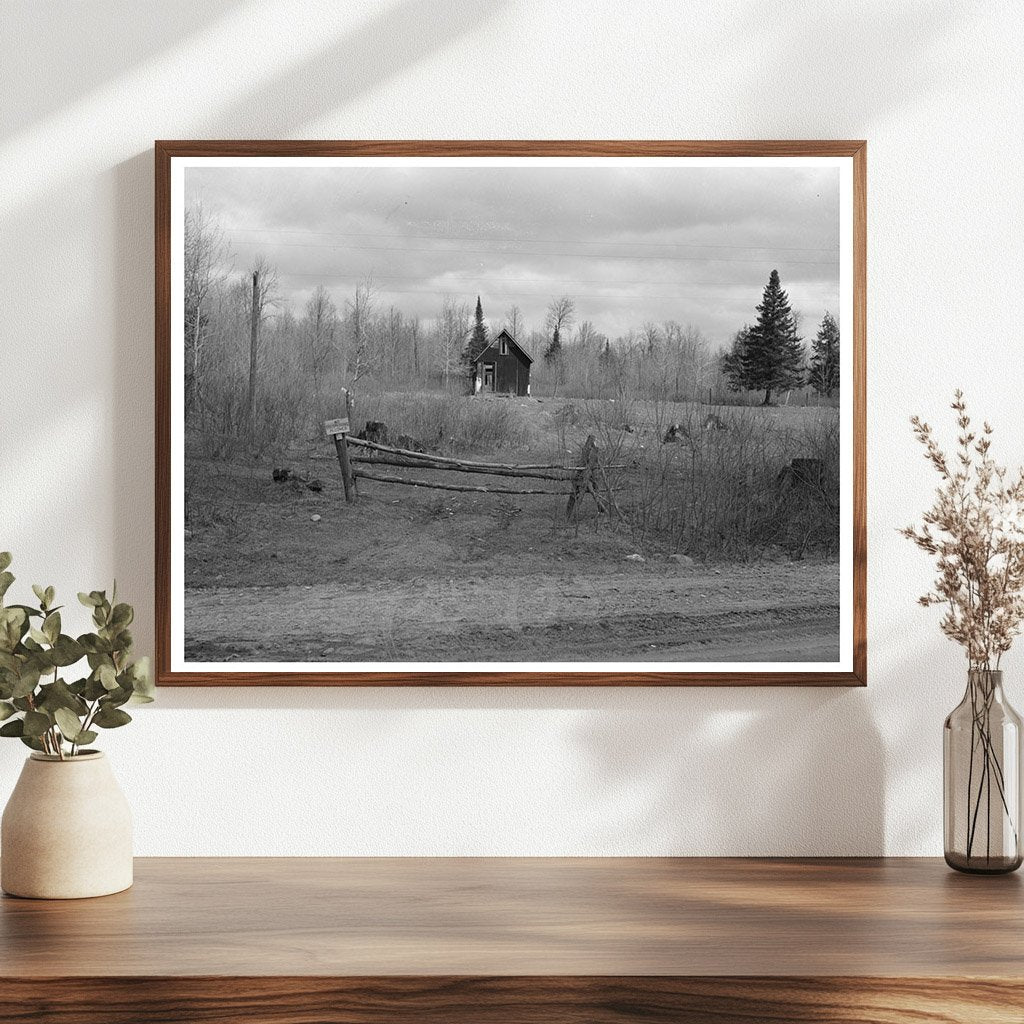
(511, 917)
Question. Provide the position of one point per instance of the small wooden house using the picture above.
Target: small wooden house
(503, 367)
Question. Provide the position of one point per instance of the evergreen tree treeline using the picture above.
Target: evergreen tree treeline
(478, 341)
(769, 356)
(824, 370)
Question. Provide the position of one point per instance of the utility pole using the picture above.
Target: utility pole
(254, 341)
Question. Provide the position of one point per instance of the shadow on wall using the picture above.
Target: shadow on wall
(693, 771)
(393, 40)
(111, 32)
(743, 771)
(385, 45)
(867, 40)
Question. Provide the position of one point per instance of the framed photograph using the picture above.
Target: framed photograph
(527, 413)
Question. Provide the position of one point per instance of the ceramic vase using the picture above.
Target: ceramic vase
(66, 831)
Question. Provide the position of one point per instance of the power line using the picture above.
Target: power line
(523, 241)
(541, 255)
(528, 295)
(474, 278)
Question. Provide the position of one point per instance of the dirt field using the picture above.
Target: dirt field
(418, 575)
(651, 613)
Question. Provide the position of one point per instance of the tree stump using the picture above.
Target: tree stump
(584, 481)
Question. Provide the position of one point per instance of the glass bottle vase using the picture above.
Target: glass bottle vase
(981, 770)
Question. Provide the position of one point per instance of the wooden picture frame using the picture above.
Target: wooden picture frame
(849, 669)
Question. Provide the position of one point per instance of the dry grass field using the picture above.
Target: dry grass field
(705, 557)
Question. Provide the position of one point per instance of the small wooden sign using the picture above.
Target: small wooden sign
(334, 427)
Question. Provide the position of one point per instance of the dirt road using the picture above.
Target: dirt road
(644, 612)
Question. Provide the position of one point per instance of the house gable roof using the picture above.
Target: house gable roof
(512, 341)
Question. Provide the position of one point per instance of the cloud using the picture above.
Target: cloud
(630, 244)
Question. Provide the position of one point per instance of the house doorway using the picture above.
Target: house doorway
(488, 376)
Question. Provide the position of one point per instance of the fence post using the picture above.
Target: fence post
(338, 430)
(346, 469)
(347, 396)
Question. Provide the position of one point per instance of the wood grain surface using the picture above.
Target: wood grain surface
(166, 150)
(512, 1000)
(285, 941)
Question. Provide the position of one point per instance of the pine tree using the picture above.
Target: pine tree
(554, 350)
(475, 344)
(732, 361)
(773, 355)
(824, 372)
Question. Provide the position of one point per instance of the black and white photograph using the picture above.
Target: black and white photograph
(517, 414)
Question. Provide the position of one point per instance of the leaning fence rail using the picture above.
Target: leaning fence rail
(588, 477)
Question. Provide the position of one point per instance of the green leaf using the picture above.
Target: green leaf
(6, 710)
(109, 717)
(38, 635)
(6, 579)
(94, 689)
(50, 595)
(27, 681)
(36, 723)
(31, 741)
(59, 695)
(107, 676)
(86, 736)
(69, 724)
(122, 616)
(5, 560)
(66, 651)
(94, 644)
(32, 613)
(142, 681)
(115, 698)
(13, 728)
(89, 600)
(51, 626)
(40, 593)
(13, 625)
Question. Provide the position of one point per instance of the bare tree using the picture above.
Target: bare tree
(393, 325)
(262, 297)
(695, 361)
(453, 327)
(205, 265)
(415, 332)
(319, 332)
(561, 316)
(651, 337)
(514, 322)
(358, 314)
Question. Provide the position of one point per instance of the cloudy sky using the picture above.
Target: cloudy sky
(629, 244)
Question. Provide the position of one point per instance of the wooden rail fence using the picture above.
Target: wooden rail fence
(589, 477)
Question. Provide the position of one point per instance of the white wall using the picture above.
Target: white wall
(937, 89)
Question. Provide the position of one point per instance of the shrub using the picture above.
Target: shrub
(449, 423)
(716, 494)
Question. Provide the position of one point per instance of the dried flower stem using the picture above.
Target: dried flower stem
(975, 530)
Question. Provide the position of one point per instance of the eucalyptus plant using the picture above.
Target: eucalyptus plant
(37, 704)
